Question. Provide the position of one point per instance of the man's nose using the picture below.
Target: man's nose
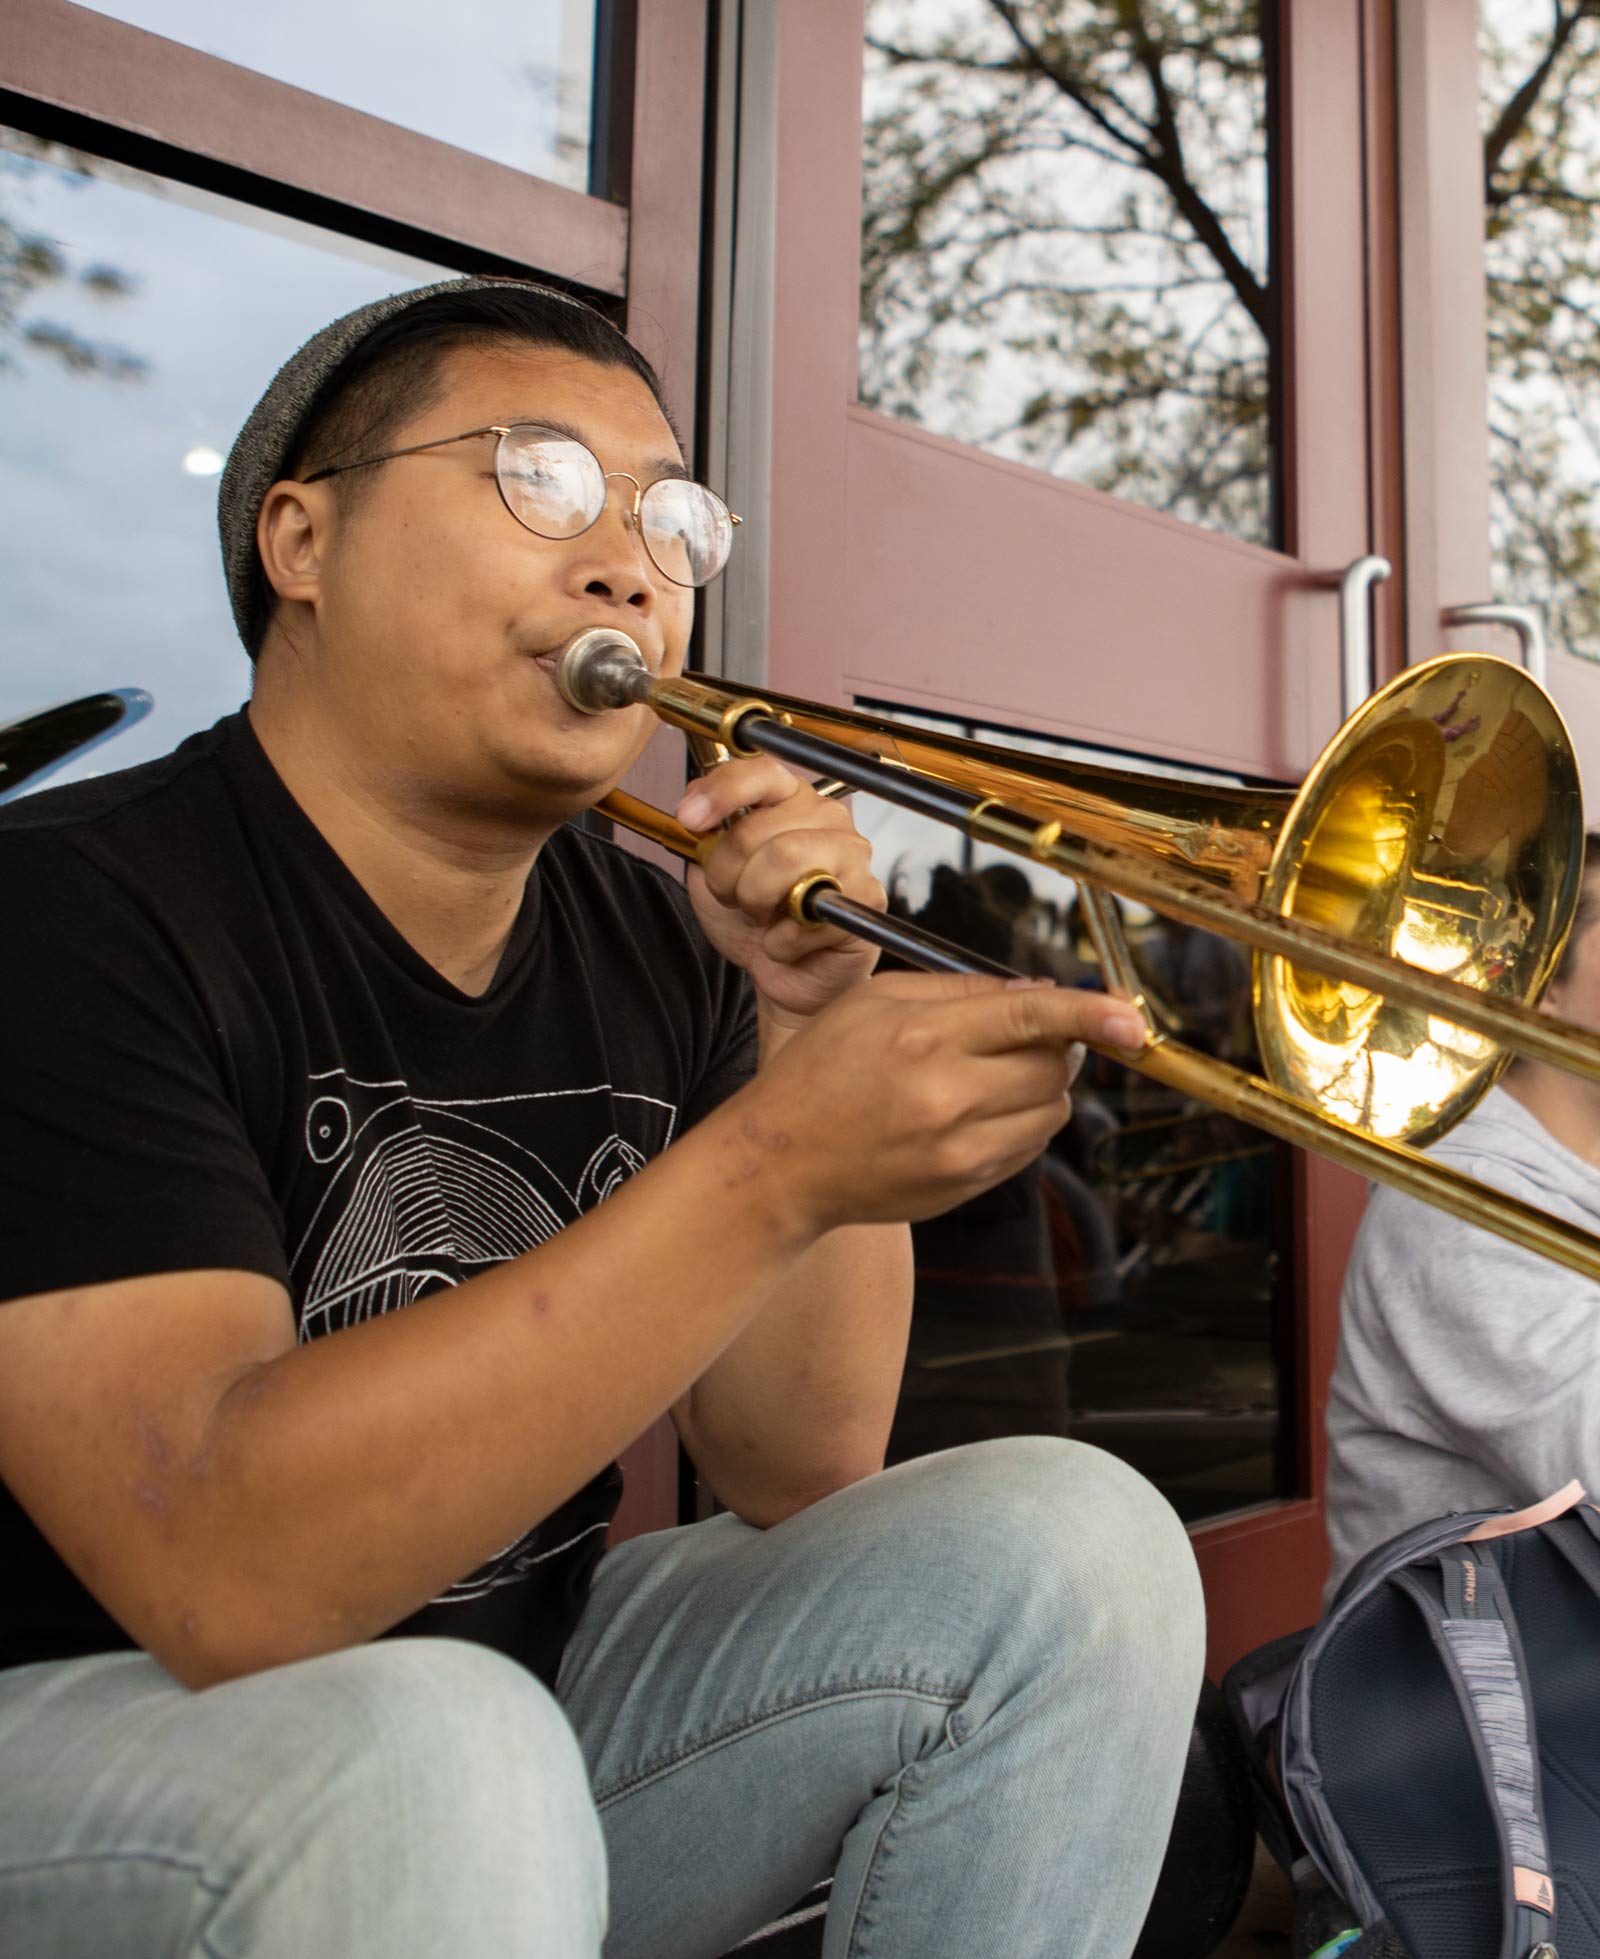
(612, 559)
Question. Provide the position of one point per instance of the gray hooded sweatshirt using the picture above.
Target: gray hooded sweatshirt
(1469, 1370)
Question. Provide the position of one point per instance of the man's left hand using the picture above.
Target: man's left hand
(779, 829)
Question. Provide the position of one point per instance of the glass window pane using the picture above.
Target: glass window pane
(139, 321)
(512, 83)
(1066, 247)
(1126, 1288)
(1540, 116)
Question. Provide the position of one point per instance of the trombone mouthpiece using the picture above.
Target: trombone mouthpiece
(599, 669)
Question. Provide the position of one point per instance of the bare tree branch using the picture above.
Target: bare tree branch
(1167, 163)
(1513, 118)
(1074, 88)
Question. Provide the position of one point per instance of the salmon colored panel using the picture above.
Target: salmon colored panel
(981, 586)
(1444, 312)
(1321, 275)
(817, 302)
(665, 196)
(1263, 1577)
(1332, 1201)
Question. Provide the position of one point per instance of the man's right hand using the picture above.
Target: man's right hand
(916, 1091)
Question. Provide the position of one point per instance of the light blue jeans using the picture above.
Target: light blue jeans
(965, 1686)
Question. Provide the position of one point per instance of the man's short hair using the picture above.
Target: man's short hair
(352, 386)
(1588, 908)
(1585, 915)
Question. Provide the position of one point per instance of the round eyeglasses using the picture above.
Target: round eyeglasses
(554, 486)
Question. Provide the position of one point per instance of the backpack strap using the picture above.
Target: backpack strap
(1471, 1623)
(1253, 1690)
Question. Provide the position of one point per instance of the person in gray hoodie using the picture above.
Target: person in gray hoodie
(1469, 1369)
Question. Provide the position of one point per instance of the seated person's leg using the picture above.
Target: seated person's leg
(968, 1684)
(410, 1797)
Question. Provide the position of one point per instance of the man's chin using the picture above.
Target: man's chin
(548, 790)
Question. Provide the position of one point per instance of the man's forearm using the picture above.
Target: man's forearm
(315, 1498)
(802, 1401)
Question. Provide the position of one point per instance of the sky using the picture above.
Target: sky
(108, 555)
(479, 74)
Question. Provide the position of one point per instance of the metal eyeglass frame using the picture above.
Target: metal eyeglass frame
(500, 430)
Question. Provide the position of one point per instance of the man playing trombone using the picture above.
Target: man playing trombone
(382, 1155)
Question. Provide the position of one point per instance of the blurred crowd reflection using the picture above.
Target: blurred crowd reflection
(1125, 1287)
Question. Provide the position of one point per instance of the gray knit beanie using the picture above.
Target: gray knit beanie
(266, 444)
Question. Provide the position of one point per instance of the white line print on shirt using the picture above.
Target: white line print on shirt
(421, 1194)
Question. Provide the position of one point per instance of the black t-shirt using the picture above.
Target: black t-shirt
(216, 1052)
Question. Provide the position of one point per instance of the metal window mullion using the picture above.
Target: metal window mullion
(740, 305)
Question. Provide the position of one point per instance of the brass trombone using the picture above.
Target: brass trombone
(1405, 908)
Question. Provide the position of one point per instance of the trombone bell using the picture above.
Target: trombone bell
(1443, 827)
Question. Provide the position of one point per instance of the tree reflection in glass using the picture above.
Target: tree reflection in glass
(1066, 253)
(35, 268)
(1540, 117)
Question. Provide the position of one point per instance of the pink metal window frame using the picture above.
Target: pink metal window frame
(124, 79)
(1445, 363)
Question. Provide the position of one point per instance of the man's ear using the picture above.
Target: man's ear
(1553, 1000)
(293, 532)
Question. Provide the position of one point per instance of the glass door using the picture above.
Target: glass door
(1075, 427)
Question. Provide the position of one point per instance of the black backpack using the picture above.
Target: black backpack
(1427, 1757)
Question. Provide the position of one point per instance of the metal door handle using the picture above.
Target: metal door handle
(1523, 620)
(1355, 636)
